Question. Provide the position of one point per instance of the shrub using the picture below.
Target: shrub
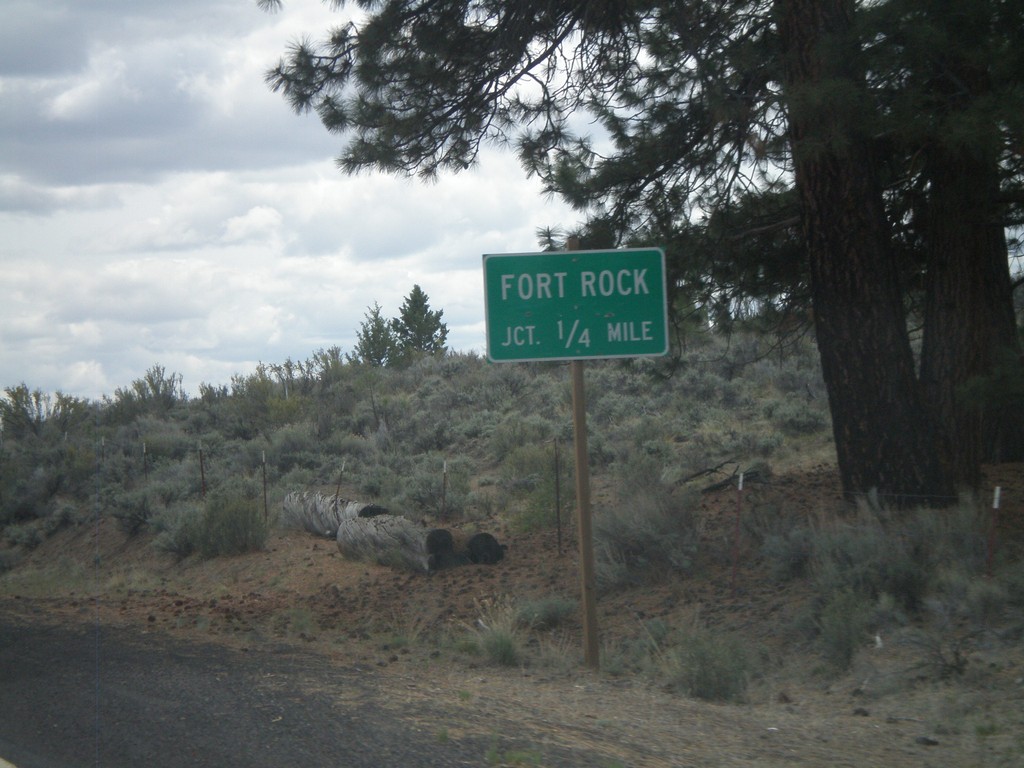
(843, 625)
(958, 594)
(133, 512)
(30, 491)
(647, 534)
(164, 440)
(231, 525)
(497, 634)
(901, 555)
(294, 446)
(797, 416)
(421, 488)
(500, 646)
(351, 447)
(639, 468)
(79, 470)
(865, 559)
(26, 535)
(1012, 576)
(518, 431)
(530, 472)
(180, 535)
(955, 535)
(945, 653)
(788, 554)
(174, 482)
(985, 600)
(8, 561)
(545, 613)
(714, 666)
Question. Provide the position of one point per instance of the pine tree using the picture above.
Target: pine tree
(375, 342)
(418, 329)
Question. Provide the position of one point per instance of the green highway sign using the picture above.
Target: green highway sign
(575, 305)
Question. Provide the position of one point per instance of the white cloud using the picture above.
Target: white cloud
(158, 204)
(258, 223)
(98, 90)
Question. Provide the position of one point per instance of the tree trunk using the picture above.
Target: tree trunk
(969, 321)
(969, 327)
(885, 439)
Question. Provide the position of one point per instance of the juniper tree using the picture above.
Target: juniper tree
(375, 341)
(418, 328)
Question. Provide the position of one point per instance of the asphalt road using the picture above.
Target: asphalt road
(95, 696)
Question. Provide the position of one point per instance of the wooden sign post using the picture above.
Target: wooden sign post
(575, 306)
(588, 580)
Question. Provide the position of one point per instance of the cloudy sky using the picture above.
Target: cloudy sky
(159, 205)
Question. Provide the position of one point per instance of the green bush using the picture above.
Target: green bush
(897, 554)
(133, 512)
(231, 525)
(518, 431)
(788, 554)
(545, 613)
(864, 558)
(843, 627)
(26, 535)
(958, 594)
(501, 647)
(392, 426)
(797, 415)
(524, 468)
(31, 490)
(179, 533)
(165, 440)
(529, 474)
(714, 666)
(421, 490)
(8, 561)
(1012, 577)
(958, 534)
(650, 534)
(874, 569)
(294, 446)
(352, 448)
(175, 481)
(497, 633)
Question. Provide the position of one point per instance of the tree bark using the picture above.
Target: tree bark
(321, 515)
(393, 540)
(885, 438)
(969, 324)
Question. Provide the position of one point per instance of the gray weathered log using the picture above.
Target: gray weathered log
(393, 540)
(369, 532)
(320, 514)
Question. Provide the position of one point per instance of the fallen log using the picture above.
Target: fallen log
(320, 514)
(366, 531)
(483, 548)
(393, 540)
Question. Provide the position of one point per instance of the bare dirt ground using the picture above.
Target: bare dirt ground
(401, 635)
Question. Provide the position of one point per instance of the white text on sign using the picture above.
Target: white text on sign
(610, 283)
(519, 336)
(631, 331)
(551, 285)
